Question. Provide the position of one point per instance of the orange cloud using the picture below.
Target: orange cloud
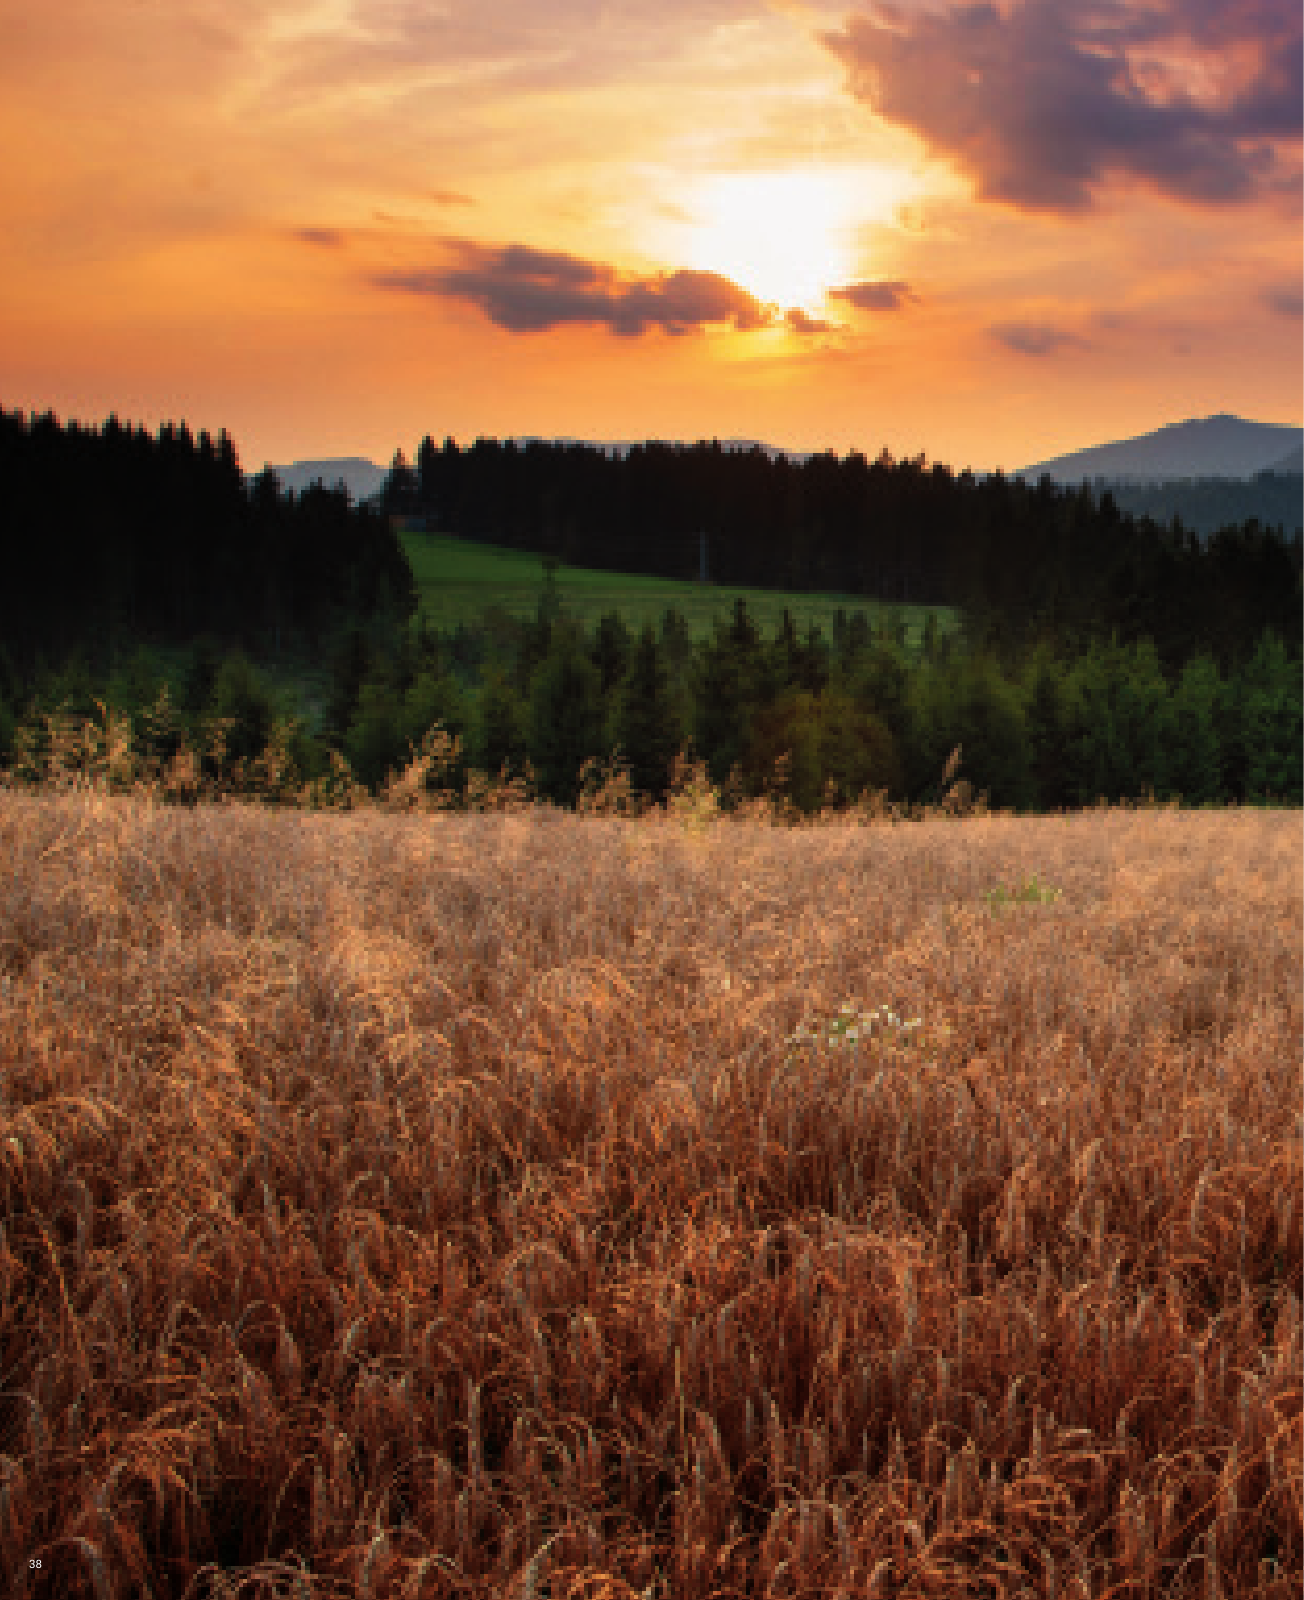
(884, 295)
(1285, 299)
(801, 322)
(322, 238)
(529, 291)
(1035, 338)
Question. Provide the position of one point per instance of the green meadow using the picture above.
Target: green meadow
(458, 580)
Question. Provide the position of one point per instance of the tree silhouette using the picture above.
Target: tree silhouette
(647, 724)
(565, 717)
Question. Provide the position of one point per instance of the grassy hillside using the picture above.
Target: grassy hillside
(458, 579)
(532, 1204)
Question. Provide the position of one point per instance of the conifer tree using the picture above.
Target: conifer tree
(731, 684)
(1051, 723)
(498, 735)
(647, 725)
(610, 653)
(1195, 759)
(565, 716)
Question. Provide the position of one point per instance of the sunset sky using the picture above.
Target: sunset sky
(989, 232)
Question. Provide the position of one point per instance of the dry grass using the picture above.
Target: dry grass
(431, 1205)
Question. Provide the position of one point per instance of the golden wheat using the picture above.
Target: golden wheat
(512, 1203)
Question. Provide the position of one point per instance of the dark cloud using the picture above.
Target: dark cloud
(448, 197)
(799, 321)
(1286, 299)
(1034, 338)
(885, 295)
(322, 238)
(1042, 102)
(527, 291)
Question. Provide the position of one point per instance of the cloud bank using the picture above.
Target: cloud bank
(530, 291)
(885, 295)
(1043, 102)
(1285, 299)
(321, 238)
(1034, 338)
(801, 322)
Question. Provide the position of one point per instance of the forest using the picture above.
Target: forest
(1275, 499)
(112, 536)
(1030, 559)
(1099, 657)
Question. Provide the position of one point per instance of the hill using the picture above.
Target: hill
(362, 478)
(1273, 499)
(458, 580)
(1212, 447)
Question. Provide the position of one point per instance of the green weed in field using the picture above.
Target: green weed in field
(1030, 892)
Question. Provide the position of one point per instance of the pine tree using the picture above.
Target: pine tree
(565, 717)
(1142, 717)
(1271, 718)
(1049, 715)
(610, 653)
(374, 744)
(498, 736)
(647, 724)
(732, 681)
(1195, 754)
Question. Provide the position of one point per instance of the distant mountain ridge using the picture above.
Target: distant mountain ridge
(1290, 465)
(1221, 446)
(362, 478)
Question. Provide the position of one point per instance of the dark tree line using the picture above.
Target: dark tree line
(819, 718)
(1100, 657)
(840, 713)
(111, 535)
(1028, 560)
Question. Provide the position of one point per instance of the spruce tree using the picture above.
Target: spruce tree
(647, 725)
(610, 653)
(565, 717)
(731, 685)
(498, 733)
(1195, 758)
(1048, 711)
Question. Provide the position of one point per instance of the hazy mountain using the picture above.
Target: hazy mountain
(1291, 464)
(362, 478)
(1273, 499)
(1211, 447)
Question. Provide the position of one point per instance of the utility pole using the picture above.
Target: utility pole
(701, 546)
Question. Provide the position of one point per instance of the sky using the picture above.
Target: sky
(986, 232)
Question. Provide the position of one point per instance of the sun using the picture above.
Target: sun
(786, 236)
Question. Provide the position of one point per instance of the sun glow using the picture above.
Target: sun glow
(787, 237)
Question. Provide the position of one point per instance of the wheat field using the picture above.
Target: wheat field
(531, 1204)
